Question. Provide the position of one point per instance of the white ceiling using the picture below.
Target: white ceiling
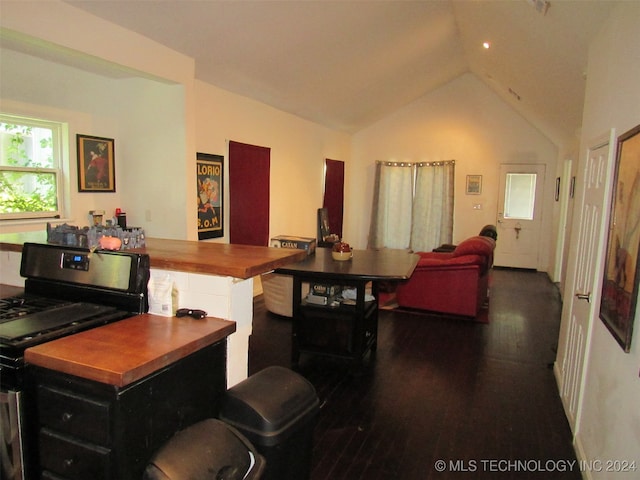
(346, 64)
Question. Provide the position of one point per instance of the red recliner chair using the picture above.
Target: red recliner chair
(454, 283)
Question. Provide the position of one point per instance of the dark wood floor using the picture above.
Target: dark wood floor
(476, 396)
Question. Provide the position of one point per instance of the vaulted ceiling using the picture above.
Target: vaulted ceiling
(346, 64)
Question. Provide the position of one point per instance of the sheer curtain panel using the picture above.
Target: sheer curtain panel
(391, 210)
(432, 223)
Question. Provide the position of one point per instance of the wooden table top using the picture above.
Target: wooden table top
(127, 350)
(239, 261)
(366, 265)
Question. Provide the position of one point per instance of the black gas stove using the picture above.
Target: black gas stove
(66, 290)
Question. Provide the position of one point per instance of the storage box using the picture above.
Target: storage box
(302, 243)
(325, 290)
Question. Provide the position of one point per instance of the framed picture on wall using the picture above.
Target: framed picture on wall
(96, 164)
(209, 178)
(474, 184)
(622, 270)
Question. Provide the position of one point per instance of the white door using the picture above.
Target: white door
(519, 215)
(583, 281)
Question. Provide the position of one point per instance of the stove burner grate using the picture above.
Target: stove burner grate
(20, 306)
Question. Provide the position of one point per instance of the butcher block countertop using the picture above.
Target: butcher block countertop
(239, 261)
(125, 351)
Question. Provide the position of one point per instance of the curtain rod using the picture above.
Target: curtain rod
(419, 164)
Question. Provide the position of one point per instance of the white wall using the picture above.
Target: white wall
(159, 116)
(67, 74)
(139, 114)
(465, 121)
(610, 421)
(298, 150)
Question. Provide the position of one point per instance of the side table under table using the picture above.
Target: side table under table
(346, 331)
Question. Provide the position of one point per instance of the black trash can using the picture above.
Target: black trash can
(207, 450)
(277, 410)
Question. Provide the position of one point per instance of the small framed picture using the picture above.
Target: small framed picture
(474, 184)
(96, 164)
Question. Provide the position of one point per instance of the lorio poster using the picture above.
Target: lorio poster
(209, 177)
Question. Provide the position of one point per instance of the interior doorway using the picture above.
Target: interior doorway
(519, 215)
(249, 178)
(565, 192)
(333, 198)
(579, 311)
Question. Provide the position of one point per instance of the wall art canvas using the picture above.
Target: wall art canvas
(210, 201)
(474, 184)
(96, 164)
(620, 283)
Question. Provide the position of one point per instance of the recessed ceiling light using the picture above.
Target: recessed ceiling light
(486, 45)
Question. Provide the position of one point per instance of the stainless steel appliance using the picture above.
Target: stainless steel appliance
(67, 290)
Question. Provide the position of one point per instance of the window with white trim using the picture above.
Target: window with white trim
(31, 174)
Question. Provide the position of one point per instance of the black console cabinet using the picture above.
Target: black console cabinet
(91, 430)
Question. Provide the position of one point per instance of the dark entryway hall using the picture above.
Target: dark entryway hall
(443, 398)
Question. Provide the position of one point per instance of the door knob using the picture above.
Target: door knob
(584, 296)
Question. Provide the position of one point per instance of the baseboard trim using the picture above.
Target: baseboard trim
(582, 457)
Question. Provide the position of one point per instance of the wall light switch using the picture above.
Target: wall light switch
(477, 206)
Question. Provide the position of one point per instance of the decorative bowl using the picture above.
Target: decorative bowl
(341, 256)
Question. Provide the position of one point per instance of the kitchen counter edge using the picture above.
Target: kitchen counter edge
(128, 350)
(239, 261)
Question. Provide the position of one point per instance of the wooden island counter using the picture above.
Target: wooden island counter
(105, 399)
(239, 261)
(124, 352)
(214, 277)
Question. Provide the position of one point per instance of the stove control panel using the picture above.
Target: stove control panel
(115, 270)
(75, 261)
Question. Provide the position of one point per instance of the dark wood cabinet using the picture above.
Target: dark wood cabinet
(91, 430)
(348, 331)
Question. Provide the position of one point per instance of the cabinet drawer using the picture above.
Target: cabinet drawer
(77, 415)
(71, 459)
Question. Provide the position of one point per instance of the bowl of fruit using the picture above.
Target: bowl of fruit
(341, 251)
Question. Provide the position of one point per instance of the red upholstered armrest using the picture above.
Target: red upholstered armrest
(445, 261)
(435, 255)
(476, 246)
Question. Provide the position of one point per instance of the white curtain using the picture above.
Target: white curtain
(400, 219)
(392, 198)
(432, 222)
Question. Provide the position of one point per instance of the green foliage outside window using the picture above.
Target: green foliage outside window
(28, 175)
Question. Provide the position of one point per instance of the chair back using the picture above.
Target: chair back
(323, 224)
(489, 231)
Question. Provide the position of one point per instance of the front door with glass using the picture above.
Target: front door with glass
(519, 215)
